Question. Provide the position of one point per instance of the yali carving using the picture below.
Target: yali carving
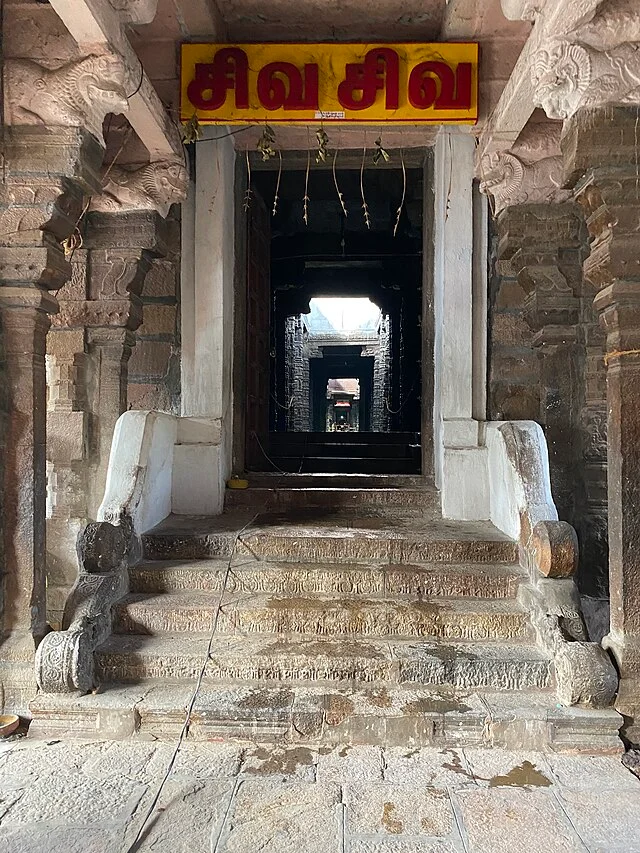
(155, 186)
(568, 76)
(79, 94)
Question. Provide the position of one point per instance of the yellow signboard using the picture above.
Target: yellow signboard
(330, 83)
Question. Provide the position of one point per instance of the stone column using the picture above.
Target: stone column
(121, 246)
(601, 162)
(545, 244)
(48, 172)
(542, 244)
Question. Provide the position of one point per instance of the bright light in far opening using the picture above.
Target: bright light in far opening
(342, 314)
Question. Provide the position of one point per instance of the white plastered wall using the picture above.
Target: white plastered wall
(460, 330)
(203, 455)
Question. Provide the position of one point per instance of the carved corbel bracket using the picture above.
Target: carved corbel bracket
(65, 659)
(510, 180)
(155, 186)
(135, 11)
(79, 94)
(522, 10)
(568, 75)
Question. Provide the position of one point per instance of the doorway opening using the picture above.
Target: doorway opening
(334, 320)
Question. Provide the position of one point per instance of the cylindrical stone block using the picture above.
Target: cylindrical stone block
(555, 546)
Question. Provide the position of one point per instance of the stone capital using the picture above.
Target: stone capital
(78, 94)
(135, 11)
(137, 230)
(111, 337)
(28, 297)
(511, 179)
(154, 186)
(96, 313)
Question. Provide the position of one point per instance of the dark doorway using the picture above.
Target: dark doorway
(318, 253)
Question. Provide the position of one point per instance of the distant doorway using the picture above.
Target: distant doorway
(343, 294)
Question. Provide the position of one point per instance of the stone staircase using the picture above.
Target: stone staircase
(345, 452)
(351, 612)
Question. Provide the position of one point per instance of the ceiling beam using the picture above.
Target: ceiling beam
(96, 27)
(515, 105)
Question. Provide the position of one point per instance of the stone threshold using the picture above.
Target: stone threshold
(331, 716)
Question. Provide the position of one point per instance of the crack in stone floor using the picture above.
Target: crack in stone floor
(72, 796)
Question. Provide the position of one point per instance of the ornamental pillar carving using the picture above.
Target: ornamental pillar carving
(100, 309)
(606, 178)
(48, 174)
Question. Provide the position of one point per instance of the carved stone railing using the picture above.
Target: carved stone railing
(149, 476)
(522, 507)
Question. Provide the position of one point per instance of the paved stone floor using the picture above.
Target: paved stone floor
(71, 797)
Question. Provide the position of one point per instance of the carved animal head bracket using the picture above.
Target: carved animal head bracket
(567, 76)
(510, 180)
(79, 94)
(155, 186)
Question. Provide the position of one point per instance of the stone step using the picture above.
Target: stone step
(302, 439)
(270, 480)
(354, 464)
(413, 581)
(368, 501)
(306, 536)
(241, 613)
(500, 666)
(381, 715)
(345, 450)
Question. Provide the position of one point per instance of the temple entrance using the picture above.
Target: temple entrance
(334, 325)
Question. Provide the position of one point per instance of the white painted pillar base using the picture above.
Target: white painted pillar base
(207, 290)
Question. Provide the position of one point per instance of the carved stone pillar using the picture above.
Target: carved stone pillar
(542, 243)
(601, 162)
(47, 174)
(103, 306)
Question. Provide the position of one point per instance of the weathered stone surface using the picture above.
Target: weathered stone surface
(602, 816)
(290, 818)
(83, 802)
(359, 845)
(449, 619)
(56, 839)
(189, 815)
(391, 809)
(357, 763)
(499, 820)
(422, 768)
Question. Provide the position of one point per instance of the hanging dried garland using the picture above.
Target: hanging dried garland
(249, 192)
(365, 207)
(404, 193)
(276, 197)
(305, 200)
(335, 181)
(323, 146)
